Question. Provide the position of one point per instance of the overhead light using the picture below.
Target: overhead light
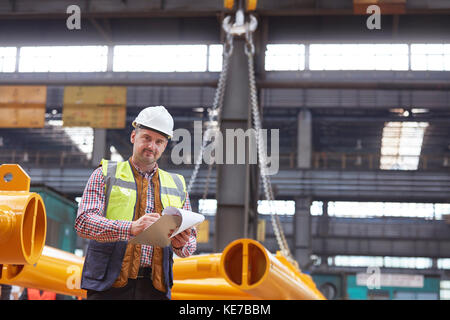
(397, 110)
(405, 113)
(419, 110)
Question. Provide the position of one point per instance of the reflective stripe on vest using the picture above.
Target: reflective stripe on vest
(120, 190)
(34, 294)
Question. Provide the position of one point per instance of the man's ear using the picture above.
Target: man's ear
(133, 136)
(167, 142)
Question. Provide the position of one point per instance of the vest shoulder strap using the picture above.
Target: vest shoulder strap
(172, 184)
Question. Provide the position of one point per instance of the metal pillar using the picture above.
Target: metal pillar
(304, 139)
(323, 227)
(99, 149)
(110, 60)
(302, 232)
(237, 187)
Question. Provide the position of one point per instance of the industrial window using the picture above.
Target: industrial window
(160, 58)
(382, 262)
(82, 137)
(408, 262)
(207, 206)
(358, 57)
(281, 207)
(215, 52)
(357, 261)
(430, 57)
(8, 59)
(353, 209)
(115, 155)
(401, 145)
(285, 57)
(443, 263)
(316, 208)
(445, 290)
(63, 59)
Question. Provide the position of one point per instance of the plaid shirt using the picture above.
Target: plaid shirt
(92, 224)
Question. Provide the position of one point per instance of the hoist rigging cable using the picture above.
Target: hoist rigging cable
(216, 110)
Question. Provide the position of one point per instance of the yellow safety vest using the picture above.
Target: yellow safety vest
(120, 189)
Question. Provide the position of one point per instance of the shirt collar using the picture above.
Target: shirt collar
(142, 172)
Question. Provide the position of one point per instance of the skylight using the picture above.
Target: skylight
(401, 145)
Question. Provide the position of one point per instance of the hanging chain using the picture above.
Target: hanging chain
(214, 113)
(214, 116)
(260, 144)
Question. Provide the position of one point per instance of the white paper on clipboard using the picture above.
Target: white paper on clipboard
(172, 218)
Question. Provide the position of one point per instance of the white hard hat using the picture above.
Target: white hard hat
(156, 118)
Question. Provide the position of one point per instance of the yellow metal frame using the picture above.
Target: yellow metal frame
(248, 266)
(244, 270)
(250, 5)
(23, 222)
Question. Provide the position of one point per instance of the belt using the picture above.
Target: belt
(145, 272)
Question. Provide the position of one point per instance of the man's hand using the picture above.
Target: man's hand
(143, 222)
(181, 239)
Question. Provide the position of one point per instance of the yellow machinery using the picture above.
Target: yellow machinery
(248, 266)
(24, 259)
(23, 222)
(244, 271)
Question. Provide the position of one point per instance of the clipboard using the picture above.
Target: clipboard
(171, 219)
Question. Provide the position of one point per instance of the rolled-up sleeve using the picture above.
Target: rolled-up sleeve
(91, 222)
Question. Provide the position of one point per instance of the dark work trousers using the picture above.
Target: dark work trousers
(135, 289)
(6, 292)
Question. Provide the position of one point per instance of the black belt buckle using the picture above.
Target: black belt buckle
(145, 272)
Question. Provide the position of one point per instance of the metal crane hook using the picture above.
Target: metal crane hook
(239, 27)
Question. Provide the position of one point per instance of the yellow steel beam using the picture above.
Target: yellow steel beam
(56, 270)
(197, 267)
(208, 287)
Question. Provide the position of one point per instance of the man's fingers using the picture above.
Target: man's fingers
(183, 236)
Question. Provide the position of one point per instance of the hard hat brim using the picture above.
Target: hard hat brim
(141, 126)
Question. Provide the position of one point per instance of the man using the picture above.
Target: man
(120, 201)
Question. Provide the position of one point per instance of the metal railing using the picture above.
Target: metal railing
(371, 161)
(45, 158)
(320, 160)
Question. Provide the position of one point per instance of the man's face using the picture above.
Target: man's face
(148, 145)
